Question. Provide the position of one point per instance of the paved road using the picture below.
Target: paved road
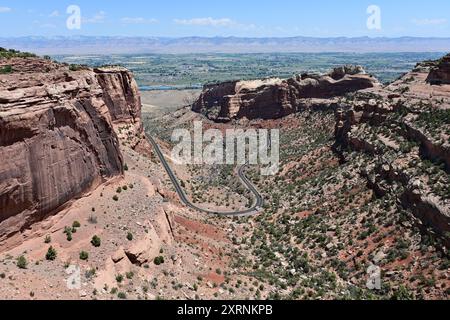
(255, 209)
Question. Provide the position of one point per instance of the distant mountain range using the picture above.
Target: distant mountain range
(137, 45)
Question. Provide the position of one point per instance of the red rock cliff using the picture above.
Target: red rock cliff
(275, 98)
(57, 140)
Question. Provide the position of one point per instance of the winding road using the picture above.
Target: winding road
(255, 209)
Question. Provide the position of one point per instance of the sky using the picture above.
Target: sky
(241, 18)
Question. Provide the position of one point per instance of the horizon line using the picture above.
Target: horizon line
(227, 37)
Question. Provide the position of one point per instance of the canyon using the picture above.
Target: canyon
(364, 180)
(370, 118)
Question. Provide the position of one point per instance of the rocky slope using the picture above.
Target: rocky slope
(398, 136)
(276, 98)
(57, 136)
(395, 136)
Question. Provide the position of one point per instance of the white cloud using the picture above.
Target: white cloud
(54, 14)
(138, 20)
(429, 22)
(5, 9)
(223, 22)
(99, 17)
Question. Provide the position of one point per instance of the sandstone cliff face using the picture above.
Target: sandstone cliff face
(276, 98)
(399, 135)
(57, 141)
(121, 94)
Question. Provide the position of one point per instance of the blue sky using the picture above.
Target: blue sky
(256, 18)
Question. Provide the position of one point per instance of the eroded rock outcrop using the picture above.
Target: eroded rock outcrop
(440, 73)
(57, 139)
(276, 98)
(399, 135)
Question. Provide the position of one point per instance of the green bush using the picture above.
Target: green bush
(68, 231)
(159, 260)
(11, 53)
(74, 67)
(76, 224)
(96, 241)
(122, 295)
(6, 69)
(51, 254)
(48, 239)
(130, 236)
(22, 262)
(84, 255)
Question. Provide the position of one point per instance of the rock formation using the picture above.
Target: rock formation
(57, 139)
(440, 73)
(275, 98)
(399, 137)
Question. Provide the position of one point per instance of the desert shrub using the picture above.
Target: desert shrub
(76, 224)
(51, 254)
(84, 255)
(96, 241)
(119, 278)
(6, 69)
(129, 236)
(159, 260)
(68, 231)
(116, 198)
(48, 239)
(122, 295)
(22, 262)
(74, 67)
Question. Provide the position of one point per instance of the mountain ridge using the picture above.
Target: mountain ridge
(196, 44)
